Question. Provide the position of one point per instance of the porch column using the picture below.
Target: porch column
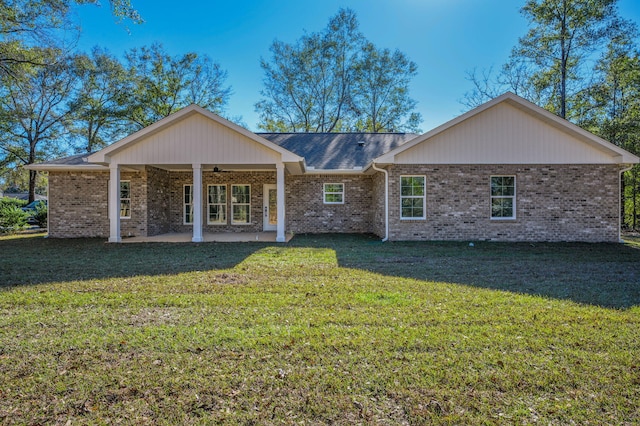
(114, 203)
(197, 203)
(280, 201)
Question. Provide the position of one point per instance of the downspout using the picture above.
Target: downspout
(386, 201)
(48, 204)
(620, 203)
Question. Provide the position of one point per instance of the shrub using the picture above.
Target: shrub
(12, 219)
(8, 201)
(40, 216)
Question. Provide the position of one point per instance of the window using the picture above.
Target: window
(333, 193)
(217, 204)
(503, 197)
(412, 199)
(240, 204)
(187, 205)
(125, 199)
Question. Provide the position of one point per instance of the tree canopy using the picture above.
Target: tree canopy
(335, 80)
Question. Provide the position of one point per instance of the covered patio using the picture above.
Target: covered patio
(208, 237)
(181, 160)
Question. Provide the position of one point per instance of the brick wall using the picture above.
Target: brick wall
(136, 225)
(306, 212)
(158, 201)
(378, 196)
(78, 204)
(553, 203)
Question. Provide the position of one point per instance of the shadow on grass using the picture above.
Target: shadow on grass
(26, 261)
(606, 275)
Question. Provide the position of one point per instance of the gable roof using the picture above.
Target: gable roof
(356, 152)
(338, 151)
(103, 156)
(596, 144)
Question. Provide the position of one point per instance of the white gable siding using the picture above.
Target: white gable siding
(503, 134)
(196, 139)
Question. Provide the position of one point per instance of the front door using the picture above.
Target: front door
(270, 209)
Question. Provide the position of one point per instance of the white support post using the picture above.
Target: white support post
(114, 203)
(197, 203)
(280, 201)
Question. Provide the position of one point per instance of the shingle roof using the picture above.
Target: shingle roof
(72, 160)
(338, 150)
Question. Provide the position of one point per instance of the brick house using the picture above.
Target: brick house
(505, 171)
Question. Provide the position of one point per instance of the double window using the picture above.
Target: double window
(412, 197)
(503, 197)
(333, 193)
(217, 204)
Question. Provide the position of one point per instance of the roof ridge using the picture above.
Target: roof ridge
(336, 133)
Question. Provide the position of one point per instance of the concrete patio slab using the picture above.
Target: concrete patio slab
(223, 237)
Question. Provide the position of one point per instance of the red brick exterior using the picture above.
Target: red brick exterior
(78, 204)
(307, 213)
(553, 203)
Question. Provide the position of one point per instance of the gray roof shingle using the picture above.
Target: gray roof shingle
(72, 160)
(338, 150)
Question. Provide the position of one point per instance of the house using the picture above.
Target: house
(505, 171)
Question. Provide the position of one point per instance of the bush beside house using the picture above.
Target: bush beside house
(12, 218)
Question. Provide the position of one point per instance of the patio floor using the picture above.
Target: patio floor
(223, 237)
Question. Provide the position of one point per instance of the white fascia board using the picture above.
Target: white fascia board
(313, 171)
(66, 168)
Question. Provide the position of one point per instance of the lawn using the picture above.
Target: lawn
(322, 330)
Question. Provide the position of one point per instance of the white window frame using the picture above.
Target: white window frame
(128, 199)
(234, 204)
(495, 197)
(223, 206)
(423, 197)
(325, 193)
(186, 204)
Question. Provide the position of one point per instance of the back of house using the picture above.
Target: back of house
(505, 171)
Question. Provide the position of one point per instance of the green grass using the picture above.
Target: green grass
(322, 330)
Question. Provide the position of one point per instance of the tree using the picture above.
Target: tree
(550, 65)
(164, 84)
(100, 105)
(308, 84)
(321, 83)
(381, 92)
(563, 35)
(33, 113)
(611, 109)
(27, 26)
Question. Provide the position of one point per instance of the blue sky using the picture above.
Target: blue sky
(446, 38)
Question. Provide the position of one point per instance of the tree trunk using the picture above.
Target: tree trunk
(564, 61)
(32, 185)
(634, 174)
